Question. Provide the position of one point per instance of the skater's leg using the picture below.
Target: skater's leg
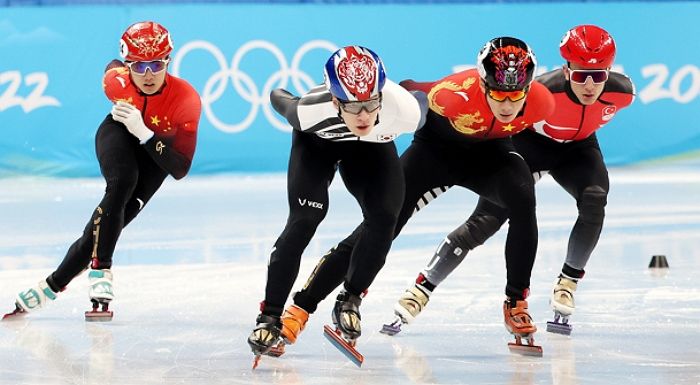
(416, 164)
(486, 219)
(151, 178)
(311, 170)
(326, 277)
(508, 182)
(585, 177)
(484, 222)
(511, 186)
(379, 192)
(582, 173)
(116, 153)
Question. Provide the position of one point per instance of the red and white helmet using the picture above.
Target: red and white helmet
(145, 41)
(588, 46)
(354, 73)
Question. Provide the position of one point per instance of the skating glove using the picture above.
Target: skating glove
(130, 116)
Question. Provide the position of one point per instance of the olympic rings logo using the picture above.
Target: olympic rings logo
(244, 84)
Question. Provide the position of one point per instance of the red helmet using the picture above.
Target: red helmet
(145, 41)
(588, 46)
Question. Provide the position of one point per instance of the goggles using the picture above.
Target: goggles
(500, 96)
(357, 107)
(140, 67)
(580, 76)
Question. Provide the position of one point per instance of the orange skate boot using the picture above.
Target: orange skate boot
(519, 323)
(293, 323)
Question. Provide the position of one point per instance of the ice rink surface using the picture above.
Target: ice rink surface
(190, 271)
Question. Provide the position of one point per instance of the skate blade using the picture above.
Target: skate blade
(16, 314)
(393, 328)
(98, 316)
(525, 350)
(340, 344)
(559, 328)
(276, 351)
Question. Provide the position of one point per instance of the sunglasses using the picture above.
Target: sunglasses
(500, 96)
(580, 76)
(356, 107)
(140, 67)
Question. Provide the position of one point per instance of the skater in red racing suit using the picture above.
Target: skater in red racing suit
(150, 133)
(588, 95)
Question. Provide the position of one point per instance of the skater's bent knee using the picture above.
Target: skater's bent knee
(592, 203)
(475, 231)
(595, 195)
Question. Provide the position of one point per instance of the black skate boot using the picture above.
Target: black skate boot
(265, 336)
(346, 317)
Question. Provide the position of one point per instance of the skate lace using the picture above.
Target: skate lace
(520, 316)
(266, 333)
(415, 298)
(292, 326)
(350, 320)
(102, 288)
(563, 293)
(295, 319)
(30, 298)
(564, 290)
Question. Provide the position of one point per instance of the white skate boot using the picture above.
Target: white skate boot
(562, 302)
(409, 305)
(32, 299)
(101, 293)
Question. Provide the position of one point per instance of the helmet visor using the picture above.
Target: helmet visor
(580, 76)
(356, 107)
(500, 96)
(140, 67)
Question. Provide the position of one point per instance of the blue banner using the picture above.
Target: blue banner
(52, 61)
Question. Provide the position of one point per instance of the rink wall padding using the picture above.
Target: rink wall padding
(52, 61)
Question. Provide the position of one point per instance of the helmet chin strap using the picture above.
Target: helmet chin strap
(340, 116)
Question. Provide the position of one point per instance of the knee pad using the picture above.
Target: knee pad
(591, 205)
(475, 231)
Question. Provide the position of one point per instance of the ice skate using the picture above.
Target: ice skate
(265, 336)
(346, 317)
(410, 304)
(562, 302)
(101, 293)
(294, 320)
(518, 322)
(15, 314)
(31, 300)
